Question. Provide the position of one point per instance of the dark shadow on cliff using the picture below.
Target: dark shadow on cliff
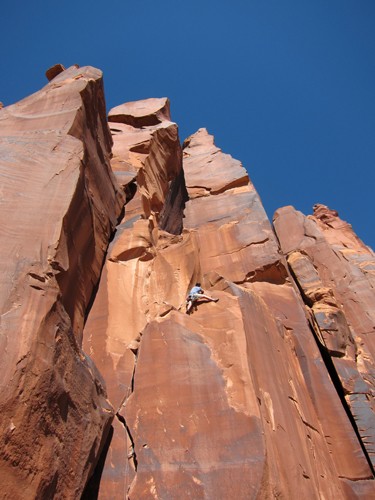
(96, 287)
(340, 391)
(91, 491)
(173, 211)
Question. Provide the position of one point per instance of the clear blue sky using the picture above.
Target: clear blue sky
(286, 86)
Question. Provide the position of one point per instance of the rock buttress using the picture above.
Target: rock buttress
(335, 272)
(233, 400)
(135, 286)
(58, 208)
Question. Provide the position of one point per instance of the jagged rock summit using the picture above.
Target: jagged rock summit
(110, 390)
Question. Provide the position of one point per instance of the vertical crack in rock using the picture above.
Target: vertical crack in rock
(330, 273)
(96, 285)
(131, 453)
(171, 215)
(92, 487)
(123, 405)
(340, 391)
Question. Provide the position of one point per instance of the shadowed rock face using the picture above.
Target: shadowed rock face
(147, 157)
(59, 204)
(266, 393)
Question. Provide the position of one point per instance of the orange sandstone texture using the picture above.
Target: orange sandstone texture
(136, 282)
(267, 393)
(59, 205)
(234, 400)
(336, 274)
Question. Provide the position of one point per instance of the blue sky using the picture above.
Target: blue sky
(286, 86)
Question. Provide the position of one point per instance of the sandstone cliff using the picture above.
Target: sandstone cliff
(266, 393)
(59, 205)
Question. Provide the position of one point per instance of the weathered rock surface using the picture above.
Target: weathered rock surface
(267, 393)
(59, 204)
(135, 281)
(336, 274)
(234, 400)
(226, 217)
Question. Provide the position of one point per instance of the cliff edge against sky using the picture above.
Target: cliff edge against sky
(109, 389)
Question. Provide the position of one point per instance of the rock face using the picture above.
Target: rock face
(335, 272)
(234, 400)
(59, 205)
(266, 393)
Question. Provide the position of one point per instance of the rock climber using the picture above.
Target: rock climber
(196, 293)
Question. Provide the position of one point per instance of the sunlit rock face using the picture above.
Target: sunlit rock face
(226, 216)
(266, 393)
(59, 204)
(335, 272)
(235, 399)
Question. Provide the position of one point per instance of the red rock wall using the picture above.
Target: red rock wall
(266, 393)
(336, 274)
(59, 204)
(234, 400)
